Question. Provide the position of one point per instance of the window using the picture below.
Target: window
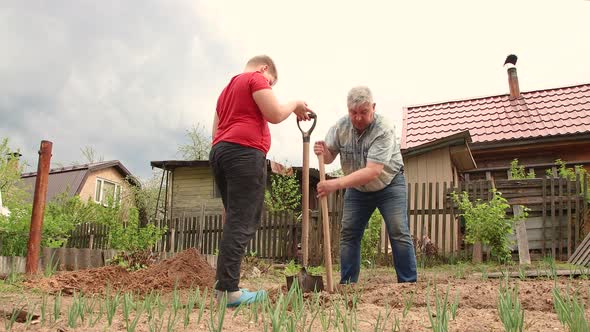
(107, 191)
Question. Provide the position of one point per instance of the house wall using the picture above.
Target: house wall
(434, 166)
(192, 187)
(110, 174)
(546, 153)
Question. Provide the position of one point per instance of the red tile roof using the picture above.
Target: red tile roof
(542, 113)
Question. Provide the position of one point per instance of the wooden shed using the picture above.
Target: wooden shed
(187, 187)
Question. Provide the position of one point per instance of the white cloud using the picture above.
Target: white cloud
(129, 77)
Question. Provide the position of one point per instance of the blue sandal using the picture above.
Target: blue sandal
(248, 297)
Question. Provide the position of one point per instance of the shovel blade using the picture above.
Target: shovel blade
(307, 282)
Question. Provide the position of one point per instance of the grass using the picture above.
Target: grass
(197, 309)
(570, 309)
(509, 308)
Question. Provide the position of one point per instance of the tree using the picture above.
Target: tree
(90, 155)
(198, 146)
(10, 171)
(145, 195)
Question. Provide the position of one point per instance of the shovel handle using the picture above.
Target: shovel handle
(307, 134)
(326, 228)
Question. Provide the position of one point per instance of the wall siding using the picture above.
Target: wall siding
(193, 187)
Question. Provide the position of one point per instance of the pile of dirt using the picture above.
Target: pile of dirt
(185, 270)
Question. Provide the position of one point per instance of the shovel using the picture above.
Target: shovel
(307, 282)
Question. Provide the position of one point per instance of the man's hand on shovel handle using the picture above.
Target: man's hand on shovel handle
(328, 186)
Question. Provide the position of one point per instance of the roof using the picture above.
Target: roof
(273, 166)
(71, 179)
(542, 113)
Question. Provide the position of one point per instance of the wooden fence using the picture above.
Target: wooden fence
(277, 237)
(555, 226)
(88, 235)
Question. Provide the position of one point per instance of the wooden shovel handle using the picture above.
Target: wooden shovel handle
(305, 205)
(326, 229)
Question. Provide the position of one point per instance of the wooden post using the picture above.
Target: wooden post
(477, 253)
(172, 235)
(200, 228)
(34, 243)
(521, 238)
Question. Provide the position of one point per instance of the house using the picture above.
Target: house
(449, 142)
(536, 127)
(95, 181)
(191, 185)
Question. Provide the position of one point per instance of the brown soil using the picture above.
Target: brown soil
(378, 291)
(186, 270)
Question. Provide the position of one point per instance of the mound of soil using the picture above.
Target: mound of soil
(185, 270)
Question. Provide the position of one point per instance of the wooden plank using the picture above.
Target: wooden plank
(521, 238)
(532, 274)
(453, 221)
(577, 213)
(569, 221)
(560, 234)
(274, 236)
(423, 228)
(219, 231)
(437, 237)
(416, 209)
(553, 221)
(430, 210)
(582, 252)
(444, 216)
(409, 205)
(267, 235)
(544, 189)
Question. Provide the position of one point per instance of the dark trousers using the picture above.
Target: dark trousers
(240, 174)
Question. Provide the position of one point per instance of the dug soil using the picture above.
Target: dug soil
(188, 269)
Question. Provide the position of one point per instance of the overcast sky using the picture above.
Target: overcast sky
(128, 78)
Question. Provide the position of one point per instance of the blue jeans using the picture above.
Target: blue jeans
(358, 208)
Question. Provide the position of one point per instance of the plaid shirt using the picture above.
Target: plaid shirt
(376, 144)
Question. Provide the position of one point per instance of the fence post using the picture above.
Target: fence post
(172, 236)
(34, 243)
(521, 238)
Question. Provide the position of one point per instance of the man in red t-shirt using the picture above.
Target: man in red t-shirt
(241, 139)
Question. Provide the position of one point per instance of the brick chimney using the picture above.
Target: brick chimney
(510, 65)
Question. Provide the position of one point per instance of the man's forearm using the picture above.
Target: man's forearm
(328, 156)
(358, 178)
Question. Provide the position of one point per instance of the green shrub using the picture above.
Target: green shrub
(487, 223)
(370, 241)
(518, 172)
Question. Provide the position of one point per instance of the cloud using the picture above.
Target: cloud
(129, 77)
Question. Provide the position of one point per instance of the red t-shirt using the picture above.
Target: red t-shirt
(240, 119)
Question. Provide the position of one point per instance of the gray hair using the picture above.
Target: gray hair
(359, 95)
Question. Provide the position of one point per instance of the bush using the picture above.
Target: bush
(487, 223)
(284, 194)
(370, 241)
(518, 172)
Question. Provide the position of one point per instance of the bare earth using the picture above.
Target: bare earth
(477, 310)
